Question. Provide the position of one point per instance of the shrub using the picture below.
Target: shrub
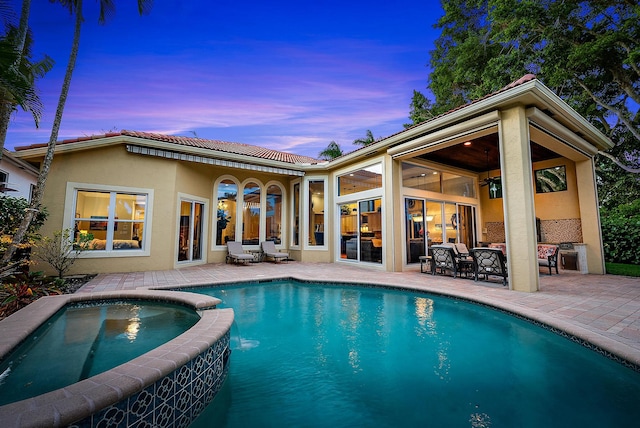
(12, 212)
(621, 233)
(17, 291)
(61, 251)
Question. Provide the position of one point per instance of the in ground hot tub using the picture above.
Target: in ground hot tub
(85, 375)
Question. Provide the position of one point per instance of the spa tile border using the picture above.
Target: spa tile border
(196, 359)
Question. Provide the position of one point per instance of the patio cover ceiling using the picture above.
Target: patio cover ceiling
(474, 158)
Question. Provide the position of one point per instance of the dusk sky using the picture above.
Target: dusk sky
(287, 75)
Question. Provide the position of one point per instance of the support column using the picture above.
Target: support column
(590, 216)
(518, 202)
(393, 206)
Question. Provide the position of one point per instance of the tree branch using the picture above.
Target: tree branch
(627, 122)
(620, 164)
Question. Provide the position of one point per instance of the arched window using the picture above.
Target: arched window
(251, 214)
(226, 213)
(274, 214)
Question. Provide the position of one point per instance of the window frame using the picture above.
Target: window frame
(70, 210)
(192, 199)
(283, 211)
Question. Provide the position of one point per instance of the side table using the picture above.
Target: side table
(425, 260)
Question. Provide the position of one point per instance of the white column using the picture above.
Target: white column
(518, 202)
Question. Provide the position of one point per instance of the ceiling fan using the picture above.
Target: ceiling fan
(489, 180)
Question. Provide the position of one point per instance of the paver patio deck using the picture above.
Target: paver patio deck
(602, 309)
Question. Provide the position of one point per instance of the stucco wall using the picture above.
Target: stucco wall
(559, 212)
(113, 166)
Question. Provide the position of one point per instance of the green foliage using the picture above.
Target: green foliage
(621, 233)
(421, 109)
(623, 269)
(615, 187)
(17, 291)
(12, 212)
(18, 73)
(62, 251)
(331, 152)
(369, 139)
(588, 52)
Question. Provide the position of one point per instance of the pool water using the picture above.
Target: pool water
(86, 339)
(328, 356)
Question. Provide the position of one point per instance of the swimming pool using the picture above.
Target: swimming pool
(85, 339)
(325, 355)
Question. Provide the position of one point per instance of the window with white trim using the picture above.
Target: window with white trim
(110, 220)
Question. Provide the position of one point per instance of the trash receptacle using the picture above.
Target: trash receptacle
(569, 260)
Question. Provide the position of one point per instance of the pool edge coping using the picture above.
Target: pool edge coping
(81, 399)
(610, 348)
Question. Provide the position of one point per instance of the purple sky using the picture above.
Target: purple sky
(287, 75)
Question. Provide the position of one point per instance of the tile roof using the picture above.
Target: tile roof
(261, 152)
(524, 79)
(201, 143)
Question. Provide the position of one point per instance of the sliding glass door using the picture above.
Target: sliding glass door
(430, 223)
(361, 231)
(190, 231)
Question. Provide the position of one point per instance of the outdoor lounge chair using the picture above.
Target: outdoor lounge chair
(236, 253)
(548, 256)
(443, 257)
(489, 261)
(269, 250)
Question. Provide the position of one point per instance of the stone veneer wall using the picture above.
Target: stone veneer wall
(495, 232)
(564, 230)
(553, 231)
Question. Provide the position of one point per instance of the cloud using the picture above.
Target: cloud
(287, 96)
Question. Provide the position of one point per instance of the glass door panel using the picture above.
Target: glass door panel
(370, 231)
(451, 217)
(433, 220)
(190, 231)
(415, 227)
(348, 231)
(467, 225)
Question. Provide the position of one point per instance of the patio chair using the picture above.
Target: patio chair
(269, 250)
(443, 258)
(461, 249)
(548, 256)
(236, 253)
(489, 261)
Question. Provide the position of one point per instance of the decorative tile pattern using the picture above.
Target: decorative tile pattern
(564, 230)
(554, 231)
(173, 401)
(495, 232)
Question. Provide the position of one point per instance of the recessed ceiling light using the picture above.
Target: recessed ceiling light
(467, 143)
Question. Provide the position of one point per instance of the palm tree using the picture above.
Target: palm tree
(17, 72)
(332, 151)
(369, 139)
(107, 9)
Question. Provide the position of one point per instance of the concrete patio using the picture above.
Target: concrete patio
(603, 310)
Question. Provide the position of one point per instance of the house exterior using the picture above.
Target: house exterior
(515, 167)
(17, 177)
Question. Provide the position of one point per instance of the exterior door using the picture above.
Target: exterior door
(190, 231)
